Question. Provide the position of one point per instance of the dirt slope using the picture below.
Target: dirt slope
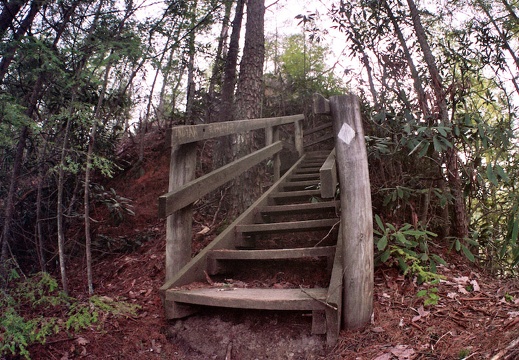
(477, 316)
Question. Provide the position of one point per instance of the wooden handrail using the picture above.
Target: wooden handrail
(194, 190)
(190, 133)
(184, 189)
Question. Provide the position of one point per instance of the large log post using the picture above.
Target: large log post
(179, 224)
(356, 212)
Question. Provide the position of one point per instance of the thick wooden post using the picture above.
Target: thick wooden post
(356, 213)
(179, 224)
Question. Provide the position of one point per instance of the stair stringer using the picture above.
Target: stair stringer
(334, 297)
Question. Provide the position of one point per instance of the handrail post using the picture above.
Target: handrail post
(272, 136)
(356, 212)
(179, 224)
(298, 137)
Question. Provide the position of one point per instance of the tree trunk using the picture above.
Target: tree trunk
(452, 158)
(225, 113)
(249, 97)
(218, 65)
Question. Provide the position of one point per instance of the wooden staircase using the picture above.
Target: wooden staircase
(288, 251)
(281, 254)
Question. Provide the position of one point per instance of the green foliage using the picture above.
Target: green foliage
(119, 206)
(407, 248)
(430, 296)
(40, 295)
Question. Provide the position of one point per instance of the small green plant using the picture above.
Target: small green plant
(430, 295)
(118, 206)
(407, 247)
(463, 354)
(39, 294)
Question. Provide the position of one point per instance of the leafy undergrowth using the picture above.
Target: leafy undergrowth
(476, 316)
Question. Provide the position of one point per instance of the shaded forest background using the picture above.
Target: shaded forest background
(438, 82)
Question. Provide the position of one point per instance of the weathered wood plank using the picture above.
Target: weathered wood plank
(308, 170)
(298, 177)
(298, 137)
(264, 299)
(328, 174)
(319, 140)
(334, 296)
(320, 104)
(179, 225)
(218, 260)
(300, 184)
(189, 133)
(272, 254)
(356, 214)
(194, 190)
(285, 195)
(287, 226)
(319, 128)
(305, 207)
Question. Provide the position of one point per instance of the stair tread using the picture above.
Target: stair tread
(299, 207)
(287, 226)
(272, 254)
(255, 298)
(296, 193)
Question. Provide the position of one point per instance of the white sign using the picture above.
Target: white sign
(346, 134)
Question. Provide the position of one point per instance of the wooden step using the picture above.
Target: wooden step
(218, 259)
(299, 184)
(308, 170)
(298, 177)
(310, 164)
(261, 299)
(295, 195)
(305, 225)
(301, 208)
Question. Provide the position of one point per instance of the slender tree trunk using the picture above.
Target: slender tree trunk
(90, 152)
(417, 82)
(218, 65)
(191, 68)
(452, 158)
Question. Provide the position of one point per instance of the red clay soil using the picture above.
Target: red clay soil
(477, 316)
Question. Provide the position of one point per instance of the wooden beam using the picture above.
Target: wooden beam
(321, 105)
(188, 193)
(190, 133)
(179, 225)
(320, 140)
(356, 212)
(318, 128)
(303, 225)
(328, 174)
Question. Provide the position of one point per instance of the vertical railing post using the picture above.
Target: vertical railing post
(298, 137)
(179, 224)
(356, 212)
(271, 136)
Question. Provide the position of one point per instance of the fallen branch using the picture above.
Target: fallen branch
(319, 300)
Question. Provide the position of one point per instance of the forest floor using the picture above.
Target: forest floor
(477, 316)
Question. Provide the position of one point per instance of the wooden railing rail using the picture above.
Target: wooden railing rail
(184, 189)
